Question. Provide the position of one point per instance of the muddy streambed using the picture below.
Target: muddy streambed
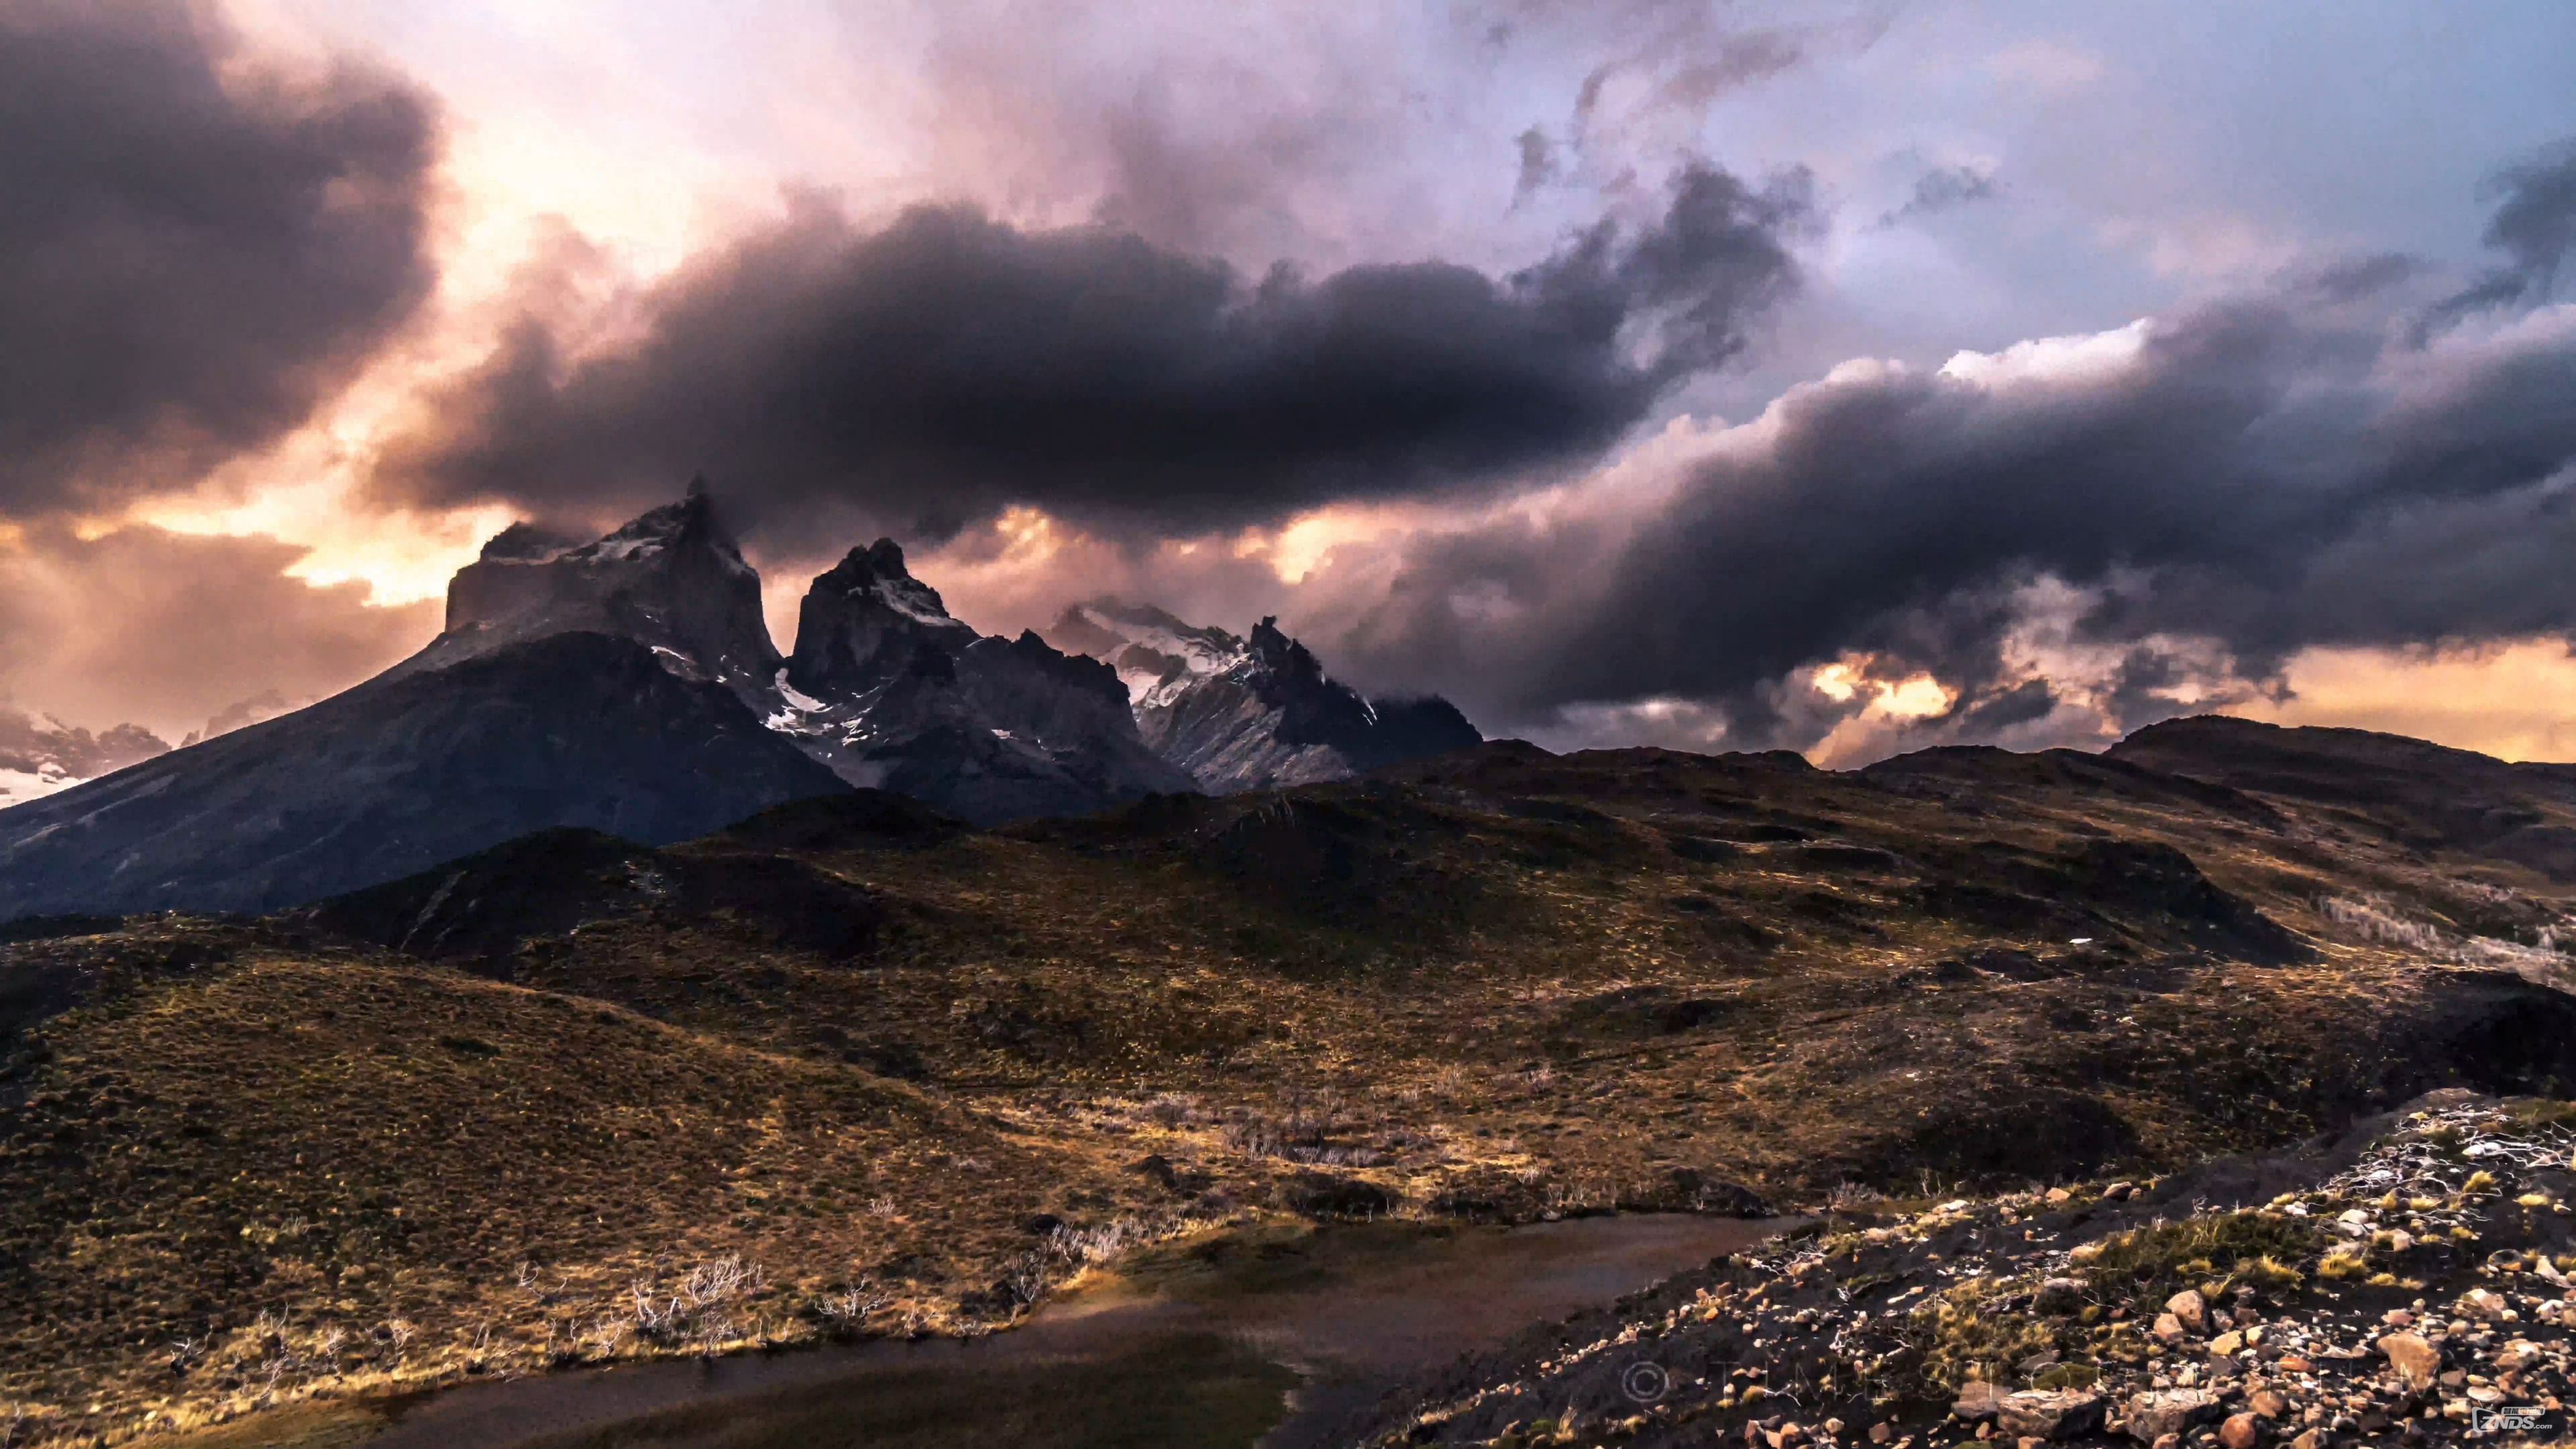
(1271, 1336)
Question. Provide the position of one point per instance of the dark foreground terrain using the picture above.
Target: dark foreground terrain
(851, 1069)
(2403, 1286)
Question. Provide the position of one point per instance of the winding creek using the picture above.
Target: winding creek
(1271, 1336)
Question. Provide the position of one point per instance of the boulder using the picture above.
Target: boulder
(2190, 1309)
(1325, 1195)
(2039, 1414)
(2416, 1362)
(2154, 1415)
(1976, 1402)
(2061, 1295)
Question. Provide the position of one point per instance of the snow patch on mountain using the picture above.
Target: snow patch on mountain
(1250, 712)
(40, 756)
(1156, 655)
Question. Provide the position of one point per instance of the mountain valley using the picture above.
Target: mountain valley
(854, 1065)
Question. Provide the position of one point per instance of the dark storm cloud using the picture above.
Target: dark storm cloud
(187, 262)
(1688, 66)
(1539, 165)
(2534, 225)
(2258, 474)
(949, 366)
(2536, 222)
(1942, 189)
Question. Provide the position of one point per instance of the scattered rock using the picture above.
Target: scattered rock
(2064, 1415)
(2296, 1360)
(2158, 1414)
(2416, 1361)
(2061, 1295)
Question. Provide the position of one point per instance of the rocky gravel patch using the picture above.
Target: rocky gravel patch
(2407, 1285)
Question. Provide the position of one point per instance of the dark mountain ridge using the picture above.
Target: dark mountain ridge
(2424, 796)
(402, 772)
(627, 685)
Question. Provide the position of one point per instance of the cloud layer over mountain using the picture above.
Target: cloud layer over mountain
(930, 374)
(2189, 501)
(1412, 326)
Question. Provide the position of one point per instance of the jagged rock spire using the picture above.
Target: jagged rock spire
(866, 619)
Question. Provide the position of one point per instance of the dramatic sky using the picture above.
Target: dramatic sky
(1845, 377)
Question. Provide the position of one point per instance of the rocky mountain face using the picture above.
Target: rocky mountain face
(627, 685)
(1251, 713)
(39, 757)
(672, 580)
(894, 694)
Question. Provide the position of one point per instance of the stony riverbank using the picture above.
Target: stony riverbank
(2405, 1285)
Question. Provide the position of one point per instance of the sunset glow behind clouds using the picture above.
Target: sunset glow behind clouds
(2004, 227)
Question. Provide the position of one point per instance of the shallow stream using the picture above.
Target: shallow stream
(1270, 1336)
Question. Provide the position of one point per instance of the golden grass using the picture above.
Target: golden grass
(1483, 1007)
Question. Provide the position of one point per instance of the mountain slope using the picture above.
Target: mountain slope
(2424, 796)
(1251, 713)
(628, 686)
(400, 773)
(1498, 984)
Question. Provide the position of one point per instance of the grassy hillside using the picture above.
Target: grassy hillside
(909, 1071)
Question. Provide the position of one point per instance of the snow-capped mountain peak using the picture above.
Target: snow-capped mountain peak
(877, 573)
(1156, 655)
(41, 756)
(1253, 711)
(625, 684)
